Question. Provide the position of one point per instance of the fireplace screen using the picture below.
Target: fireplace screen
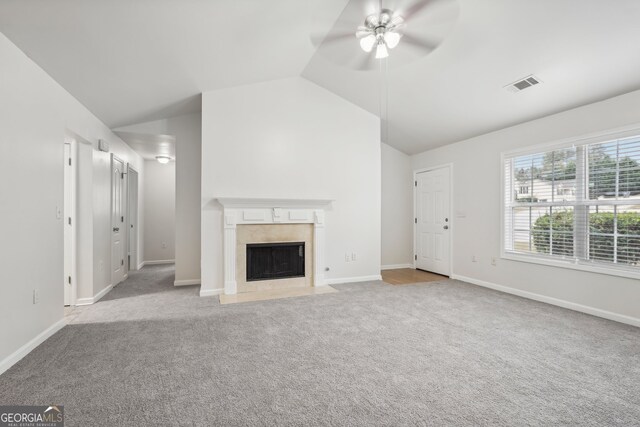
(268, 261)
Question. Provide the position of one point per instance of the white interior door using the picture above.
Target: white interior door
(118, 231)
(69, 224)
(132, 184)
(433, 223)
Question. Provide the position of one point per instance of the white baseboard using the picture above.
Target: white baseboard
(15, 357)
(210, 292)
(186, 282)
(159, 261)
(395, 266)
(352, 279)
(95, 298)
(553, 301)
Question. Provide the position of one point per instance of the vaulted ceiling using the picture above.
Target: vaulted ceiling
(134, 61)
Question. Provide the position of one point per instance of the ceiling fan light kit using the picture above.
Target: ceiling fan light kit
(380, 31)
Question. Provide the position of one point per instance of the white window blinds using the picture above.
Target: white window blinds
(578, 204)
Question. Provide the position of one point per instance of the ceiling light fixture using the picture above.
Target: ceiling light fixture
(380, 31)
(163, 159)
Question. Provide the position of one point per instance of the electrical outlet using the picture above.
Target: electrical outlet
(36, 297)
(353, 256)
(347, 258)
(474, 258)
(494, 261)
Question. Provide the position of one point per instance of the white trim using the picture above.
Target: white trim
(396, 266)
(187, 282)
(634, 321)
(452, 226)
(352, 279)
(141, 265)
(577, 263)
(17, 355)
(211, 292)
(571, 264)
(159, 261)
(95, 298)
(254, 202)
(71, 239)
(271, 211)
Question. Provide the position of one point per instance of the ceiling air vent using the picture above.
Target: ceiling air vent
(523, 84)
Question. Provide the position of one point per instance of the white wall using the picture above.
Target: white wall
(477, 193)
(160, 211)
(397, 208)
(187, 130)
(292, 139)
(35, 113)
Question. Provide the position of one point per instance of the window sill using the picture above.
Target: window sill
(591, 268)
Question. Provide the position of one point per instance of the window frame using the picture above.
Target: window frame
(554, 261)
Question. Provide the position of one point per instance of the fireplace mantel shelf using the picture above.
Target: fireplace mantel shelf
(248, 202)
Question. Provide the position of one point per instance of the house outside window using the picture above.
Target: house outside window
(581, 207)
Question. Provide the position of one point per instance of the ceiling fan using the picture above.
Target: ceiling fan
(382, 31)
(411, 28)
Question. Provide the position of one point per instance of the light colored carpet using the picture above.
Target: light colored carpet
(440, 353)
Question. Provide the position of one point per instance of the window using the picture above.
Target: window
(581, 206)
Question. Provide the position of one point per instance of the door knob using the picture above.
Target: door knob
(446, 227)
(116, 229)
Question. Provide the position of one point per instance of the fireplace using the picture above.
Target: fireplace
(268, 261)
(269, 222)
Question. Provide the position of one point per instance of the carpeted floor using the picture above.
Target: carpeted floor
(439, 353)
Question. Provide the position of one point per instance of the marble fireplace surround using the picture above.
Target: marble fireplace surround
(240, 211)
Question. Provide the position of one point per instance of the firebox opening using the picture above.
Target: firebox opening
(268, 261)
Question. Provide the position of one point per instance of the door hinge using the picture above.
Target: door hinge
(415, 257)
(416, 183)
(121, 219)
(69, 161)
(121, 262)
(69, 220)
(69, 280)
(122, 175)
(415, 220)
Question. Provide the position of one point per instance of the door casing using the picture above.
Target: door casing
(70, 279)
(132, 217)
(452, 226)
(116, 278)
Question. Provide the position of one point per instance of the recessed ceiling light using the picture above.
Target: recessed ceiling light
(163, 159)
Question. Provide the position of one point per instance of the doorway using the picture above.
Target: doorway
(132, 191)
(432, 204)
(118, 230)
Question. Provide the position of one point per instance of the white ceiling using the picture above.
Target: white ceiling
(134, 61)
(582, 50)
(131, 61)
(150, 146)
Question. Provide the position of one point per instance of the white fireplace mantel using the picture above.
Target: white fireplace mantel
(233, 202)
(239, 211)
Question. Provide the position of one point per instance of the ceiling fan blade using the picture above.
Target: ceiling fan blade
(332, 37)
(420, 43)
(366, 62)
(416, 8)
